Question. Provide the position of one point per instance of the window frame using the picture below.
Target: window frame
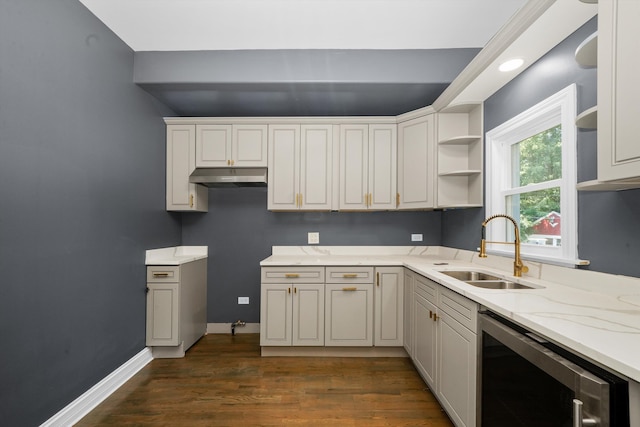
(558, 109)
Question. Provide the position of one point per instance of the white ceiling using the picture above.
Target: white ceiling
(166, 25)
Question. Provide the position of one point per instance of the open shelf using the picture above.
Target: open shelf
(588, 119)
(595, 185)
(460, 140)
(466, 172)
(587, 52)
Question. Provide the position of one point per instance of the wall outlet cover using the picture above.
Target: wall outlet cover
(243, 300)
(313, 238)
(416, 237)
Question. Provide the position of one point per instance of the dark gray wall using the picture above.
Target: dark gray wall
(240, 233)
(82, 187)
(316, 82)
(608, 231)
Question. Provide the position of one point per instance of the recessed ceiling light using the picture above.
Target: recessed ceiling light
(511, 64)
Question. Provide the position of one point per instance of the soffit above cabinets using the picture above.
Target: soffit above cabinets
(235, 58)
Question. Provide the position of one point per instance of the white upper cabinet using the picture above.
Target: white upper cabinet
(618, 90)
(368, 166)
(181, 194)
(300, 167)
(237, 145)
(416, 165)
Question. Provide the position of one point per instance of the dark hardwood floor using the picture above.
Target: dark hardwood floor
(223, 381)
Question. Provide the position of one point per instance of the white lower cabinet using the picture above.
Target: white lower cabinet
(445, 348)
(176, 307)
(292, 311)
(388, 315)
(407, 311)
(349, 307)
(354, 306)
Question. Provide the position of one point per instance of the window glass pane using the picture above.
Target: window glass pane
(537, 158)
(538, 214)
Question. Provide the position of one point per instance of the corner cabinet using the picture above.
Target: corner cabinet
(300, 167)
(182, 195)
(459, 156)
(416, 164)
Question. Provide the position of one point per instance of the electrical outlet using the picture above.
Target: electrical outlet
(313, 238)
(416, 237)
(243, 300)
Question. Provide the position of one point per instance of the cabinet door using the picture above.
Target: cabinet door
(354, 167)
(425, 339)
(618, 89)
(275, 315)
(181, 155)
(416, 163)
(308, 315)
(382, 154)
(349, 315)
(316, 170)
(213, 146)
(408, 312)
(388, 313)
(284, 167)
(163, 314)
(457, 361)
(249, 146)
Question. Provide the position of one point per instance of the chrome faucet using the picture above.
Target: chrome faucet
(518, 266)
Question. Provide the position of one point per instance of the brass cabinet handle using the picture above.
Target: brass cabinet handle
(233, 162)
(228, 162)
(191, 200)
(435, 317)
(288, 290)
(160, 274)
(370, 199)
(430, 314)
(397, 199)
(350, 289)
(350, 275)
(378, 279)
(297, 200)
(295, 290)
(291, 275)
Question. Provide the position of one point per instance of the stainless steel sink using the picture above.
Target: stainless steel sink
(484, 280)
(497, 284)
(466, 275)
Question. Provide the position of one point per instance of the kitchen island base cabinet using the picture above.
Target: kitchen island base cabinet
(176, 307)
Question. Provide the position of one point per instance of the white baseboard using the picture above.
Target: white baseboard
(225, 328)
(73, 412)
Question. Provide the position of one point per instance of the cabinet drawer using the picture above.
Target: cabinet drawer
(292, 274)
(426, 289)
(163, 273)
(349, 274)
(460, 308)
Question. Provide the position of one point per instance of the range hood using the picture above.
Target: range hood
(230, 177)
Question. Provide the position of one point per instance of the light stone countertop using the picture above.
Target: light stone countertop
(175, 255)
(593, 314)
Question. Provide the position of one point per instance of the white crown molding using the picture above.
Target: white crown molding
(509, 33)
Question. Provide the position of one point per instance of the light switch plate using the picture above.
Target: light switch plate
(416, 237)
(313, 238)
(243, 300)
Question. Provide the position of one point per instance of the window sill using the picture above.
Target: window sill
(563, 262)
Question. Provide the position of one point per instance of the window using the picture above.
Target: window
(531, 176)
